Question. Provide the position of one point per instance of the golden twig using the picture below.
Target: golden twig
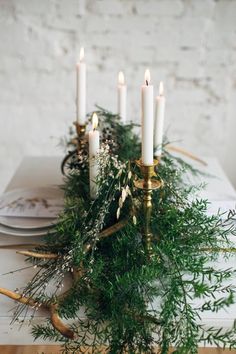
(112, 229)
(58, 324)
(18, 297)
(38, 255)
(186, 153)
(108, 232)
(52, 308)
(103, 234)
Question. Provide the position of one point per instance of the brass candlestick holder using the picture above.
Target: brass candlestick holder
(80, 130)
(148, 184)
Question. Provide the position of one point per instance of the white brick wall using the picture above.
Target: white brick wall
(189, 44)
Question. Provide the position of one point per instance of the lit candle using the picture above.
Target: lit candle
(122, 93)
(147, 121)
(81, 89)
(93, 152)
(159, 121)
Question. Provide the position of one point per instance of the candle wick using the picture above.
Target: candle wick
(147, 82)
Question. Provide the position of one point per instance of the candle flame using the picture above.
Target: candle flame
(81, 54)
(121, 78)
(94, 120)
(161, 89)
(147, 77)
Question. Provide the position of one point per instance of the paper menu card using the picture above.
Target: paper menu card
(31, 207)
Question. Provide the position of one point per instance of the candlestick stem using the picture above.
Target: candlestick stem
(147, 198)
(147, 184)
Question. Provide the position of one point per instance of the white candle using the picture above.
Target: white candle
(159, 121)
(147, 121)
(93, 153)
(81, 89)
(122, 94)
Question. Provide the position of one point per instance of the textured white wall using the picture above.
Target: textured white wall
(189, 44)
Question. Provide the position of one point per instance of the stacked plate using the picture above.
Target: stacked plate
(30, 212)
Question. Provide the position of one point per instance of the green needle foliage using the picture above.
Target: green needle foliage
(132, 301)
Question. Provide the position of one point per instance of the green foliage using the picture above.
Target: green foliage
(134, 302)
(123, 141)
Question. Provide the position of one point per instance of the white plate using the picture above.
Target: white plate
(21, 232)
(26, 222)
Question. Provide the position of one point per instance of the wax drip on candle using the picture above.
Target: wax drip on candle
(94, 121)
(147, 77)
(81, 54)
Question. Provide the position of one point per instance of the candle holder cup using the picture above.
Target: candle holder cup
(158, 159)
(148, 184)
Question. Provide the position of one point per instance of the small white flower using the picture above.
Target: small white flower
(134, 220)
(120, 202)
(129, 174)
(118, 213)
(123, 194)
(128, 190)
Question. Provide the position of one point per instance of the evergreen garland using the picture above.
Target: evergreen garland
(133, 303)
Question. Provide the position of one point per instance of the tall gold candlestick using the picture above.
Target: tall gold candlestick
(147, 184)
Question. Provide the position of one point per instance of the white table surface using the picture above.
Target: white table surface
(32, 172)
(42, 171)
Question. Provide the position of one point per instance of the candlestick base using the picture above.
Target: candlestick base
(153, 184)
(147, 184)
